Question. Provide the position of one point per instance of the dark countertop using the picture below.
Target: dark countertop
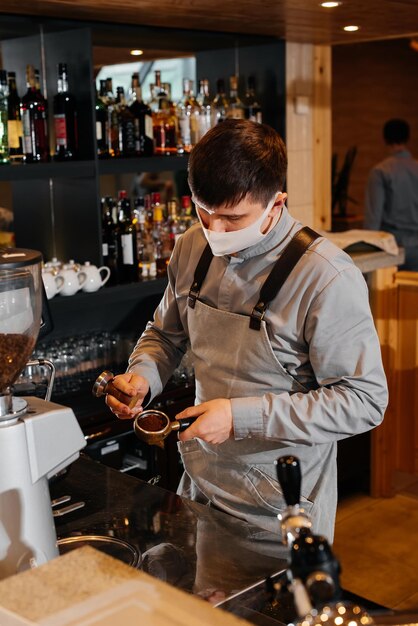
(194, 547)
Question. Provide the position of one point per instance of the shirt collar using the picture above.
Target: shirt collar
(402, 153)
(276, 238)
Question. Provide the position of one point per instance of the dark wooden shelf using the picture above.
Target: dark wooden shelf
(126, 308)
(42, 171)
(144, 164)
(107, 295)
(86, 169)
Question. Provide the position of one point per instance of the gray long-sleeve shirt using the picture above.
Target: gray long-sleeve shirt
(320, 328)
(391, 201)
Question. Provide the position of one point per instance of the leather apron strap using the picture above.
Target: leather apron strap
(199, 276)
(294, 250)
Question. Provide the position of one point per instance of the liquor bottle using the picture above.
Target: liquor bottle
(144, 138)
(34, 122)
(144, 241)
(110, 234)
(163, 120)
(186, 213)
(220, 103)
(126, 126)
(128, 246)
(4, 144)
(176, 226)
(235, 106)
(102, 130)
(252, 107)
(188, 112)
(65, 119)
(205, 103)
(14, 122)
(161, 242)
(112, 117)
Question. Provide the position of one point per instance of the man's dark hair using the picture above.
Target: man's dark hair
(235, 159)
(396, 132)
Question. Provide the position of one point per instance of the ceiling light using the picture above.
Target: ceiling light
(351, 29)
(330, 5)
(137, 53)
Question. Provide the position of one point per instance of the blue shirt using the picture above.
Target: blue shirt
(391, 202)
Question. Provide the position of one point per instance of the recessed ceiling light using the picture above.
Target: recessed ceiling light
(330, 5)
(351, 29)
(137, 53)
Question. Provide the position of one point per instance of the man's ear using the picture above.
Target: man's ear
(278, 204)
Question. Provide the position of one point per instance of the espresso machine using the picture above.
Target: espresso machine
(38, 438)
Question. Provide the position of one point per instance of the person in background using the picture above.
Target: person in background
(292, 377)
(391, 202)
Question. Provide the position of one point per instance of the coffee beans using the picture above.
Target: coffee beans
(14, 352)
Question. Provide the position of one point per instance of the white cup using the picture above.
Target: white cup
(53, 283)
(73, 281)
(94, 276)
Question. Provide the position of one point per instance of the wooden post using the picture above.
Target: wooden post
(384, 304)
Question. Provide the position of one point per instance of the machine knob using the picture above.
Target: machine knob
(289, 477)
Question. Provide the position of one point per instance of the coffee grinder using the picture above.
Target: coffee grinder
(38, 439)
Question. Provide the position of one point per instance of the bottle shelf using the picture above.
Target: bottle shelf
(143, 164)
(87, 169)
(42, 171)
(125, 307)
(122, 294)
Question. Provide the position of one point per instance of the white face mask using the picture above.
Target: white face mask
(235, 240)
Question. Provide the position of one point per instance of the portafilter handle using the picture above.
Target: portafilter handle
(289, 477)
(104, 385)
(180, 425)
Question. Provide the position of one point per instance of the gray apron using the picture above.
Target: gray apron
(232, 360)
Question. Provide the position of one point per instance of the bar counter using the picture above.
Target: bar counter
(191, 546)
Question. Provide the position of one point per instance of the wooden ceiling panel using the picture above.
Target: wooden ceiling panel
(294, 20)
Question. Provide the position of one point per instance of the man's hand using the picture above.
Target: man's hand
(132, 385)
(214, 423)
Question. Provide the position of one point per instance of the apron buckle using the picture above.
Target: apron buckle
(193, 295)
(257, 315)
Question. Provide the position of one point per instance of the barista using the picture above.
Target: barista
(292, 379)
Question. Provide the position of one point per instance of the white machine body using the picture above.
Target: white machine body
(33, 447)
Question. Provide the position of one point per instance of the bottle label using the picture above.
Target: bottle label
(27, 136)
(3, 131)
(185, 130)
(99, 134)
(105, 249)
(152, 272)
(127, 249)
(14, 131)
(60, 130)
(205, 124)
(148, 127)
(256, 116)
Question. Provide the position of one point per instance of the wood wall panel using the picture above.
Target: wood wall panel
(308, 133)
(384, 304)
(406, 435)
(371, 83)
(394, 301)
